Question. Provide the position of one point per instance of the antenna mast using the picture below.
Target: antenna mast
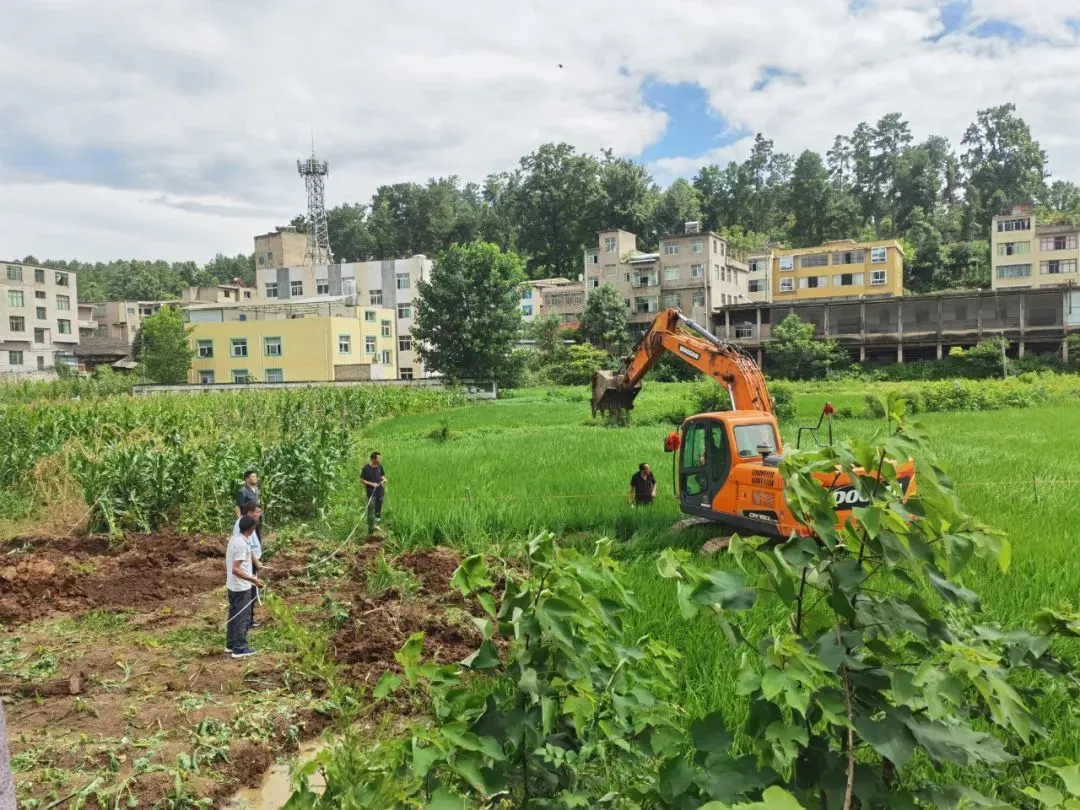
(314, 172)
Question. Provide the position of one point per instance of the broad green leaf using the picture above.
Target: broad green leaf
(1070, 775)
(487, 602)
(676, 776)
(710, 734)
(484, 659)
(1045, 794)
(423, 757)
(468, 766)
(387, 684)
(528, 681)
(888, 736)
(727, 590)
(471, 575)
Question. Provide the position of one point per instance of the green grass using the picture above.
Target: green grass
(537, 461)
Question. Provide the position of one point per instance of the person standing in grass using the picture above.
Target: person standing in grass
(249, 493)
(374, 479)
(239, 579)
(254, 511)
(642, 486)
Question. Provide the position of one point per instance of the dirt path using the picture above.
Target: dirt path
(115, 680)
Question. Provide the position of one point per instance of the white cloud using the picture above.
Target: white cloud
(171, 129)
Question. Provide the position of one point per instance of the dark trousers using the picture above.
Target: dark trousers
(239, 619)
(374, 511)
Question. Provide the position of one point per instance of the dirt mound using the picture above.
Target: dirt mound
(40, 578)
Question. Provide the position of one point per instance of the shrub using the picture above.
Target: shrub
(579, 365)
(783, 397)
(709, 397)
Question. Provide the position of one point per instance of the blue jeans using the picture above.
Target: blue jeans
(239, 619)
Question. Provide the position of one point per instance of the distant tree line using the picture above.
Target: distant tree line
(875, 183)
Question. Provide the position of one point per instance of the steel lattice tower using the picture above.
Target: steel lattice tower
(314, 172)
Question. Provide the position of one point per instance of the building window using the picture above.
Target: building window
(1014, 271)
(39, 276)
(99, 309)
(645, 305)
(15, 299)
(404, 310)
(671, 274)
(1010, 225)
(610, 244)
(247, 293)
(877, 278)
(240, 376)
(322, 287)
(1056, 267)
(39, 336)
(787, 285)
(697, 271)
(63, 303)
(402, 280)
(757, 285)
(1014, 248)
(296, 288)
(1066, 242)
(609, 271)
(344, 344)
(594, 283)
(671, 300)
(697, 246)
(272, 347)
(61, 279)
(275, 375)
(526, 294)
(369, 344)
(592, 258)
(385, 328)
(14, 273)
(206, 378)
(813, 282)
(404, 343)
(239, 347)
(787, 263)
(814, 260)
(526, 310)
(204, 349)
(879, 255)
(645, 278)
(386, 357)
(848, 280)
(405, 374)
(671, 249)
(375, 297)
(849, 257)
(271, 289)
(15, 358)
(699, 298)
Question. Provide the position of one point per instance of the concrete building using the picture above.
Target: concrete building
(282, 247)
(566, 301)
(693, 271)
(120, 320)
(759, 278)
(391, 283)
(40, 318)
(532, 292)
(925, 327)
(839, 269)
(1025, 254)
(303, 340)
(234, 293)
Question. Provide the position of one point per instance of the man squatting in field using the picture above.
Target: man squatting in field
(374, 479)
(254, 511)
(250, 495)
(239, 580)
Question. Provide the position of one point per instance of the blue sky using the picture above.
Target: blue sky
(172, 130)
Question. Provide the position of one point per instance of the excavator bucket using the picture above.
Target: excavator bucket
(610, 392)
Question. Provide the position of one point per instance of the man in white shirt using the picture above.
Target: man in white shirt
(239, 580)
(254, 511)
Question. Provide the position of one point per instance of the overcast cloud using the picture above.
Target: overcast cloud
(171, 129)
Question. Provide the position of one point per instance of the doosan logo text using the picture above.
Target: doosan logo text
(689, 353)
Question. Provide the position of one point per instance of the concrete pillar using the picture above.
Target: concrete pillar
(862, 321)
(1020, 349)
(727, 324)
(900, 353)
(940, 350)
(1065, 350)
(1023, 317)
(760, 359)
(862, 353)
(978, 317)
(825, 319)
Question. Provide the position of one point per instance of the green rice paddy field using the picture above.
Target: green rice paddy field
(485, 476)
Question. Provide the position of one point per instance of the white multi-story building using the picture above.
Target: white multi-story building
(391, 283)
(40, 319)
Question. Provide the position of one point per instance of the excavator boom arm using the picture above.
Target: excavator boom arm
(673, 332)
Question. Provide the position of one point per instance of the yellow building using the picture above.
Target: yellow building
(839, 269)
(291, 343)
(1024, 253)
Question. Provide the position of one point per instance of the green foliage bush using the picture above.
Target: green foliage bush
(964, 395)
(578, 364)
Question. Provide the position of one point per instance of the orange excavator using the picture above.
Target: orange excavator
(728, 462)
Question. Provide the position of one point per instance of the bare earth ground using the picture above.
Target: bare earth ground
(116, 684)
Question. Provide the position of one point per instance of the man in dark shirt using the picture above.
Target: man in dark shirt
(642, 486)
(248, 493)
(374, 480)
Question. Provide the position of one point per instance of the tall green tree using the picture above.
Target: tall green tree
(794, 354)
(468, 316)
(810, 199)
(603, 322)
(680, 203)
(556, 203)
(163, 348)
(1003, 163)
(628, 198)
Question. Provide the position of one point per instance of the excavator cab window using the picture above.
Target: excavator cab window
(751, 440)
(706, 461)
